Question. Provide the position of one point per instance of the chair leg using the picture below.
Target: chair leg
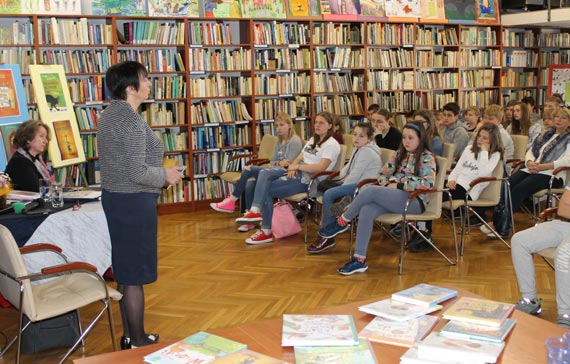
(111, 325)
(419, 232)
(403, 236)
(491, 228)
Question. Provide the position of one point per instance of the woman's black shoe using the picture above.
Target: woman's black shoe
(125, 343)
(150, 339)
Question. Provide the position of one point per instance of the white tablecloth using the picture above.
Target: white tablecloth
(82, 235)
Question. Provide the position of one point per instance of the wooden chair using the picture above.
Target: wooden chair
(58, 289)
(302, 199)
(489, 197)
(347, 140)
(448, 152)
(386, 154)
(407, 221)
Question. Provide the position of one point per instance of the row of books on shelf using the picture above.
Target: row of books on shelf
(337, 82)
(390, 58)
(89, 89)
(517, 78)
(433, 58)
(517, 38)
(72, 176)
(520, 58)
(155, 60)
(431, 35)
(282, 59)
(215, 112)
(218, 161)
(554, 57)
(226, 59)
(475, 334)
(68, 31)
(478, 78)
(168, 87)
(390, 80)
(90, 145)
(390, 34)
(338, 57)
(436, 80)
(281, 33)
(153, 32)
(285, 84)
(17, 33)
(339, 104)
(214, 137)
(173, 140)
(296, 107)
(337, 33)
(221, 85)
(88, 117)
(78, 60)
(164, 113)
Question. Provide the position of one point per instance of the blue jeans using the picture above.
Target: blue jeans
(331, 195)
(246, 183)
(371, 203)
(272, 185)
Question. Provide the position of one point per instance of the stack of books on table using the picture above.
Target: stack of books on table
(404, 320)
(325, 339)
(475, 334)
(205, 348)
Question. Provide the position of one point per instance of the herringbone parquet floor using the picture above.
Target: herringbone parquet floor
(209, 278)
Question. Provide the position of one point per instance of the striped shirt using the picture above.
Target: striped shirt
(130, 154)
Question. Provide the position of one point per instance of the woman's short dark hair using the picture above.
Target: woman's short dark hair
(123, 75)
(27, 131)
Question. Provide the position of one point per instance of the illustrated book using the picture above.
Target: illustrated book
(403, 9)
(247, 356)
(424, 294)
(274, 9)
(397, 311)
(114, 7)
(318, 330)
(174, 8)
(361, 354)
(435, 346)
(479, 311)
(460, 11)
(404, 333)
(464, 330)
(200, 348)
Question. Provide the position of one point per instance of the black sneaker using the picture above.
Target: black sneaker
(418, 245)
(337, 208)
(320, 245)
(474, 221)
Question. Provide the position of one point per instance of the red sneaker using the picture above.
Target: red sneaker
(249, 217)
(259, 238)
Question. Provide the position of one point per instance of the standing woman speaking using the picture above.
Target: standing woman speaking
(130, 157)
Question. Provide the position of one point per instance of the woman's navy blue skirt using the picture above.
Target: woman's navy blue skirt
(132, 220)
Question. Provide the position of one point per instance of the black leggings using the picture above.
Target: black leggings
(524, 185)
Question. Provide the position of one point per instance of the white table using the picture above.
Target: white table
(82, 235)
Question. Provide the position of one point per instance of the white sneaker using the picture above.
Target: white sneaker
(246, 228)
(485, 230)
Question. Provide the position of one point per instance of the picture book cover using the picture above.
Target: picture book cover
(223, 8)
(247, 356)
(274, 9)
(397, 311)
(345, 9)
(469, 331)
(403, 8)
(8, 131)
(200, 348)
(488, 11)
(435, 346)
(13, 103)
(56, 110)
(372, 9)
(299, 8)
(65, 140)
(56, 7)
(424, 294)
(315, 330)
(479, 311)
(460, 11)
(188, 8)
(114, 7)
(404, 333)
(432, 10)
(12, 6)
(361, 354)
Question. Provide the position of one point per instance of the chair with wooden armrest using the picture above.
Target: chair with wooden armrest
(303, 199)
(70, 286)
(262, 157)
(408, 220)
(489, 197)
(549, 194)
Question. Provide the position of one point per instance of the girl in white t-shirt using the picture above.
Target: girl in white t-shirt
(320, 153)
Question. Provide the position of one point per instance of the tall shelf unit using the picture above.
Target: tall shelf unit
(217, 84)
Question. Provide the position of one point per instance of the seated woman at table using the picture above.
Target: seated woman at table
(27, 167)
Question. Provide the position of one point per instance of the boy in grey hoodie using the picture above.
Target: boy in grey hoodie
(453, 132)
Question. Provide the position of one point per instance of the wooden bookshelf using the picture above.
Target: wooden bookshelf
(218, 83)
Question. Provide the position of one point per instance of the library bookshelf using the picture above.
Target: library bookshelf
(218, 83)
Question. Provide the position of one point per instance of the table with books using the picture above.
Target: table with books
(524, 342)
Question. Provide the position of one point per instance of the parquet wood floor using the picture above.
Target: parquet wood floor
(209, 278)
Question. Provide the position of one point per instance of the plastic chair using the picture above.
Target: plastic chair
(263, 156)
(448, 151)
(347, 140)
(549, 194)
(303, 198)
(432, 212)
(386, 154)
(71, 286)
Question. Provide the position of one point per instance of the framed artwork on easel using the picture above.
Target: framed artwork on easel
(559, 81)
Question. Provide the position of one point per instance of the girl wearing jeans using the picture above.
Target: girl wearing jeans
(320, 153)
(365, 162)
(287, 148)
(411, 168)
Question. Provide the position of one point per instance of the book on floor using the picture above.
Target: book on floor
(466, 330)
(397, 311)
(247, 356)
(479, 311)
(424, 294)
(435, 347)
(400, 333)
(317, 330)
(200, 348)
(361, 354)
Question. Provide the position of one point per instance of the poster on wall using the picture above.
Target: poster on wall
(56, 110)
(559, 81)
(13, 108)
(188, 8)
(460, 11)
(56, 7)
(114, 7)
(487, 11)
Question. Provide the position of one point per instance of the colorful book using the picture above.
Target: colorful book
(460, 11)
(464, 330)
(174, 8)
(274, 9)
(397, 311)
(222, 9)
(319, 330)
(403, 9)
(479, 311)
(247, 356)
(200, 348)
(424, 294)
(370, 9)
(435, 347)
(432, 11)
(298, 8)
(114, 7)
(404, 333)
(361, 354)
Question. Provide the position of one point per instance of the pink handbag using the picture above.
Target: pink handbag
(284, 222)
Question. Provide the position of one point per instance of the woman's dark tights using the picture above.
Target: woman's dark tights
(132, 314)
